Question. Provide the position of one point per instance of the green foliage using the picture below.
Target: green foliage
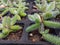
(15, 7)
(16, 17)
(32, 27)
(34, 17)
(51, 38)
(15, 27)
(38, 25)
(48, 9)
(58, 5)
(8, 25)
(52, 24)
(2, 35)
(20, 10)
(6, 21)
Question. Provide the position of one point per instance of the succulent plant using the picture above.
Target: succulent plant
(8, 25)
(51, 38)
(17, 8)
(39, 24)
(37, 19)
(58, 4)
(48, 10)
(20, 10)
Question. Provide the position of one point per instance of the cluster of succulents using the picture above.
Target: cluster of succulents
(15, 7)
(47, 11)
(8, 25)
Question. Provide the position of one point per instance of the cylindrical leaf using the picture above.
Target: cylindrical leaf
(52, 24)
(52, 39)
(15, 28)
(32, 27)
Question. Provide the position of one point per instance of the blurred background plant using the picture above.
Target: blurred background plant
(48, 10)
(16, 7)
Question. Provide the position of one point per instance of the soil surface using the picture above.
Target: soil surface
(14, 35)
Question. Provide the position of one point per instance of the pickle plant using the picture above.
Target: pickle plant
(8, 25)
(20, 10)
(48, 10)
(39, 24)
(17, 8)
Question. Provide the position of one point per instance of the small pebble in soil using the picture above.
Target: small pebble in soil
(35, 38)
(31, 34)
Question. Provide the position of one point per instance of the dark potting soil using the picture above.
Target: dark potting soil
(14, 36)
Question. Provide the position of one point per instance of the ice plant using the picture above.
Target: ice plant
(48, 10)
(17, 8)
(39, 24)
(8, 25)
(51, 38)
(20, 10)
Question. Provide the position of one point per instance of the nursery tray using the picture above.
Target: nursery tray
(24, 38)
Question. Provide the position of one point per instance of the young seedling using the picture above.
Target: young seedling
(20, 10)
(51, 38)
(48, 9)
(8, 25)
(17, 8)
(39, 24)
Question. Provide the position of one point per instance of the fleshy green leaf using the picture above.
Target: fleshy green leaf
(1, 26)
(52, 24)
(44, 32)
(22, 14)
(47, 15)
(55, 13)
(14, 19)
(32, 27)
(6, 21)
(13, 10)
(50, 6)
(51, 38)
(4, 12)
(15, 28)
(31, 17)
(5, 31)
(34, 17)
(2, 35)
